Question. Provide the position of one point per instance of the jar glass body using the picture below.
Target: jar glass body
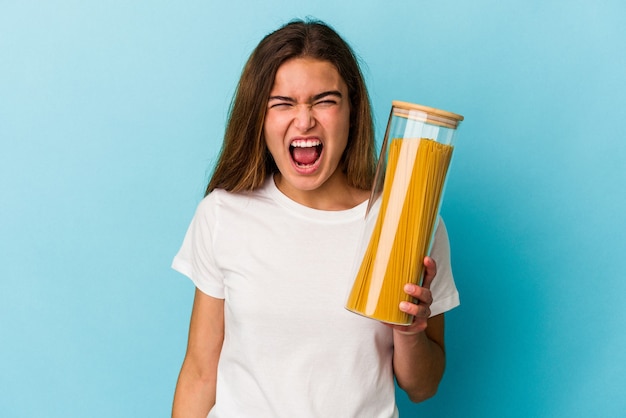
(403, 209)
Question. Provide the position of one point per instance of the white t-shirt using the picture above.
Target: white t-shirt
(291, 349)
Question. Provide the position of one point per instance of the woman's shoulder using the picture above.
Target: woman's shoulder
(224, 198)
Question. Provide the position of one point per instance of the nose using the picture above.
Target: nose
(304, 119)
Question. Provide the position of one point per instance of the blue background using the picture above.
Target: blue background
(111, 116)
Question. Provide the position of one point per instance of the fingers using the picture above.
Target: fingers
(421, 294)
(417, 311)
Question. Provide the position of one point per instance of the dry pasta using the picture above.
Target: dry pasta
(414, 179)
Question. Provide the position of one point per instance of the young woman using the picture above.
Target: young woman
(271, 250)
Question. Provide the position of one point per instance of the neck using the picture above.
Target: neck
(335, 194)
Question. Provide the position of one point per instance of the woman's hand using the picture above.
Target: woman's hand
(418, 353)
(423, 297)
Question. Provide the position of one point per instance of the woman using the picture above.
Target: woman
(271, 249)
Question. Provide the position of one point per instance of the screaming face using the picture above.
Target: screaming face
(307, 125)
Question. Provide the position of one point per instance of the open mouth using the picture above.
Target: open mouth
(305, 152)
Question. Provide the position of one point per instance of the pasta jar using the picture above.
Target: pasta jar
(403, 209)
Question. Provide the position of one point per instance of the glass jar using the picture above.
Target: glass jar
(403, 209)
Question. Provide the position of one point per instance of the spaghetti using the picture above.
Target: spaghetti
(401, 238)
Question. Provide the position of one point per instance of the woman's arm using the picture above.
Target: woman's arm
(195, 389)
(419, 356)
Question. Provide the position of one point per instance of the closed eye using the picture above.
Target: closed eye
(324, 103)
(280, 102)
(280, 105)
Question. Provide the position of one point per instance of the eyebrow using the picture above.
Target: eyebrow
(319, 96)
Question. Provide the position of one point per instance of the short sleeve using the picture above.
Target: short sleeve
(196, 257)
(445, 293)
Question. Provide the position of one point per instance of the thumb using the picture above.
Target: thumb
(430, 271)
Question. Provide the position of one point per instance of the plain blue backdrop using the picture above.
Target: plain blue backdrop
(111, 116)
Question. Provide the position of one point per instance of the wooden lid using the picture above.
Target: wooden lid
(426, 114)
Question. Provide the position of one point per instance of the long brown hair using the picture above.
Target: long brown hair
(245, 161)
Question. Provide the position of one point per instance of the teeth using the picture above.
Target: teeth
(306, 143)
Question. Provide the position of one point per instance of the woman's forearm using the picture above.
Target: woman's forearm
(195, 394)
(196, 386)
(419, 360)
